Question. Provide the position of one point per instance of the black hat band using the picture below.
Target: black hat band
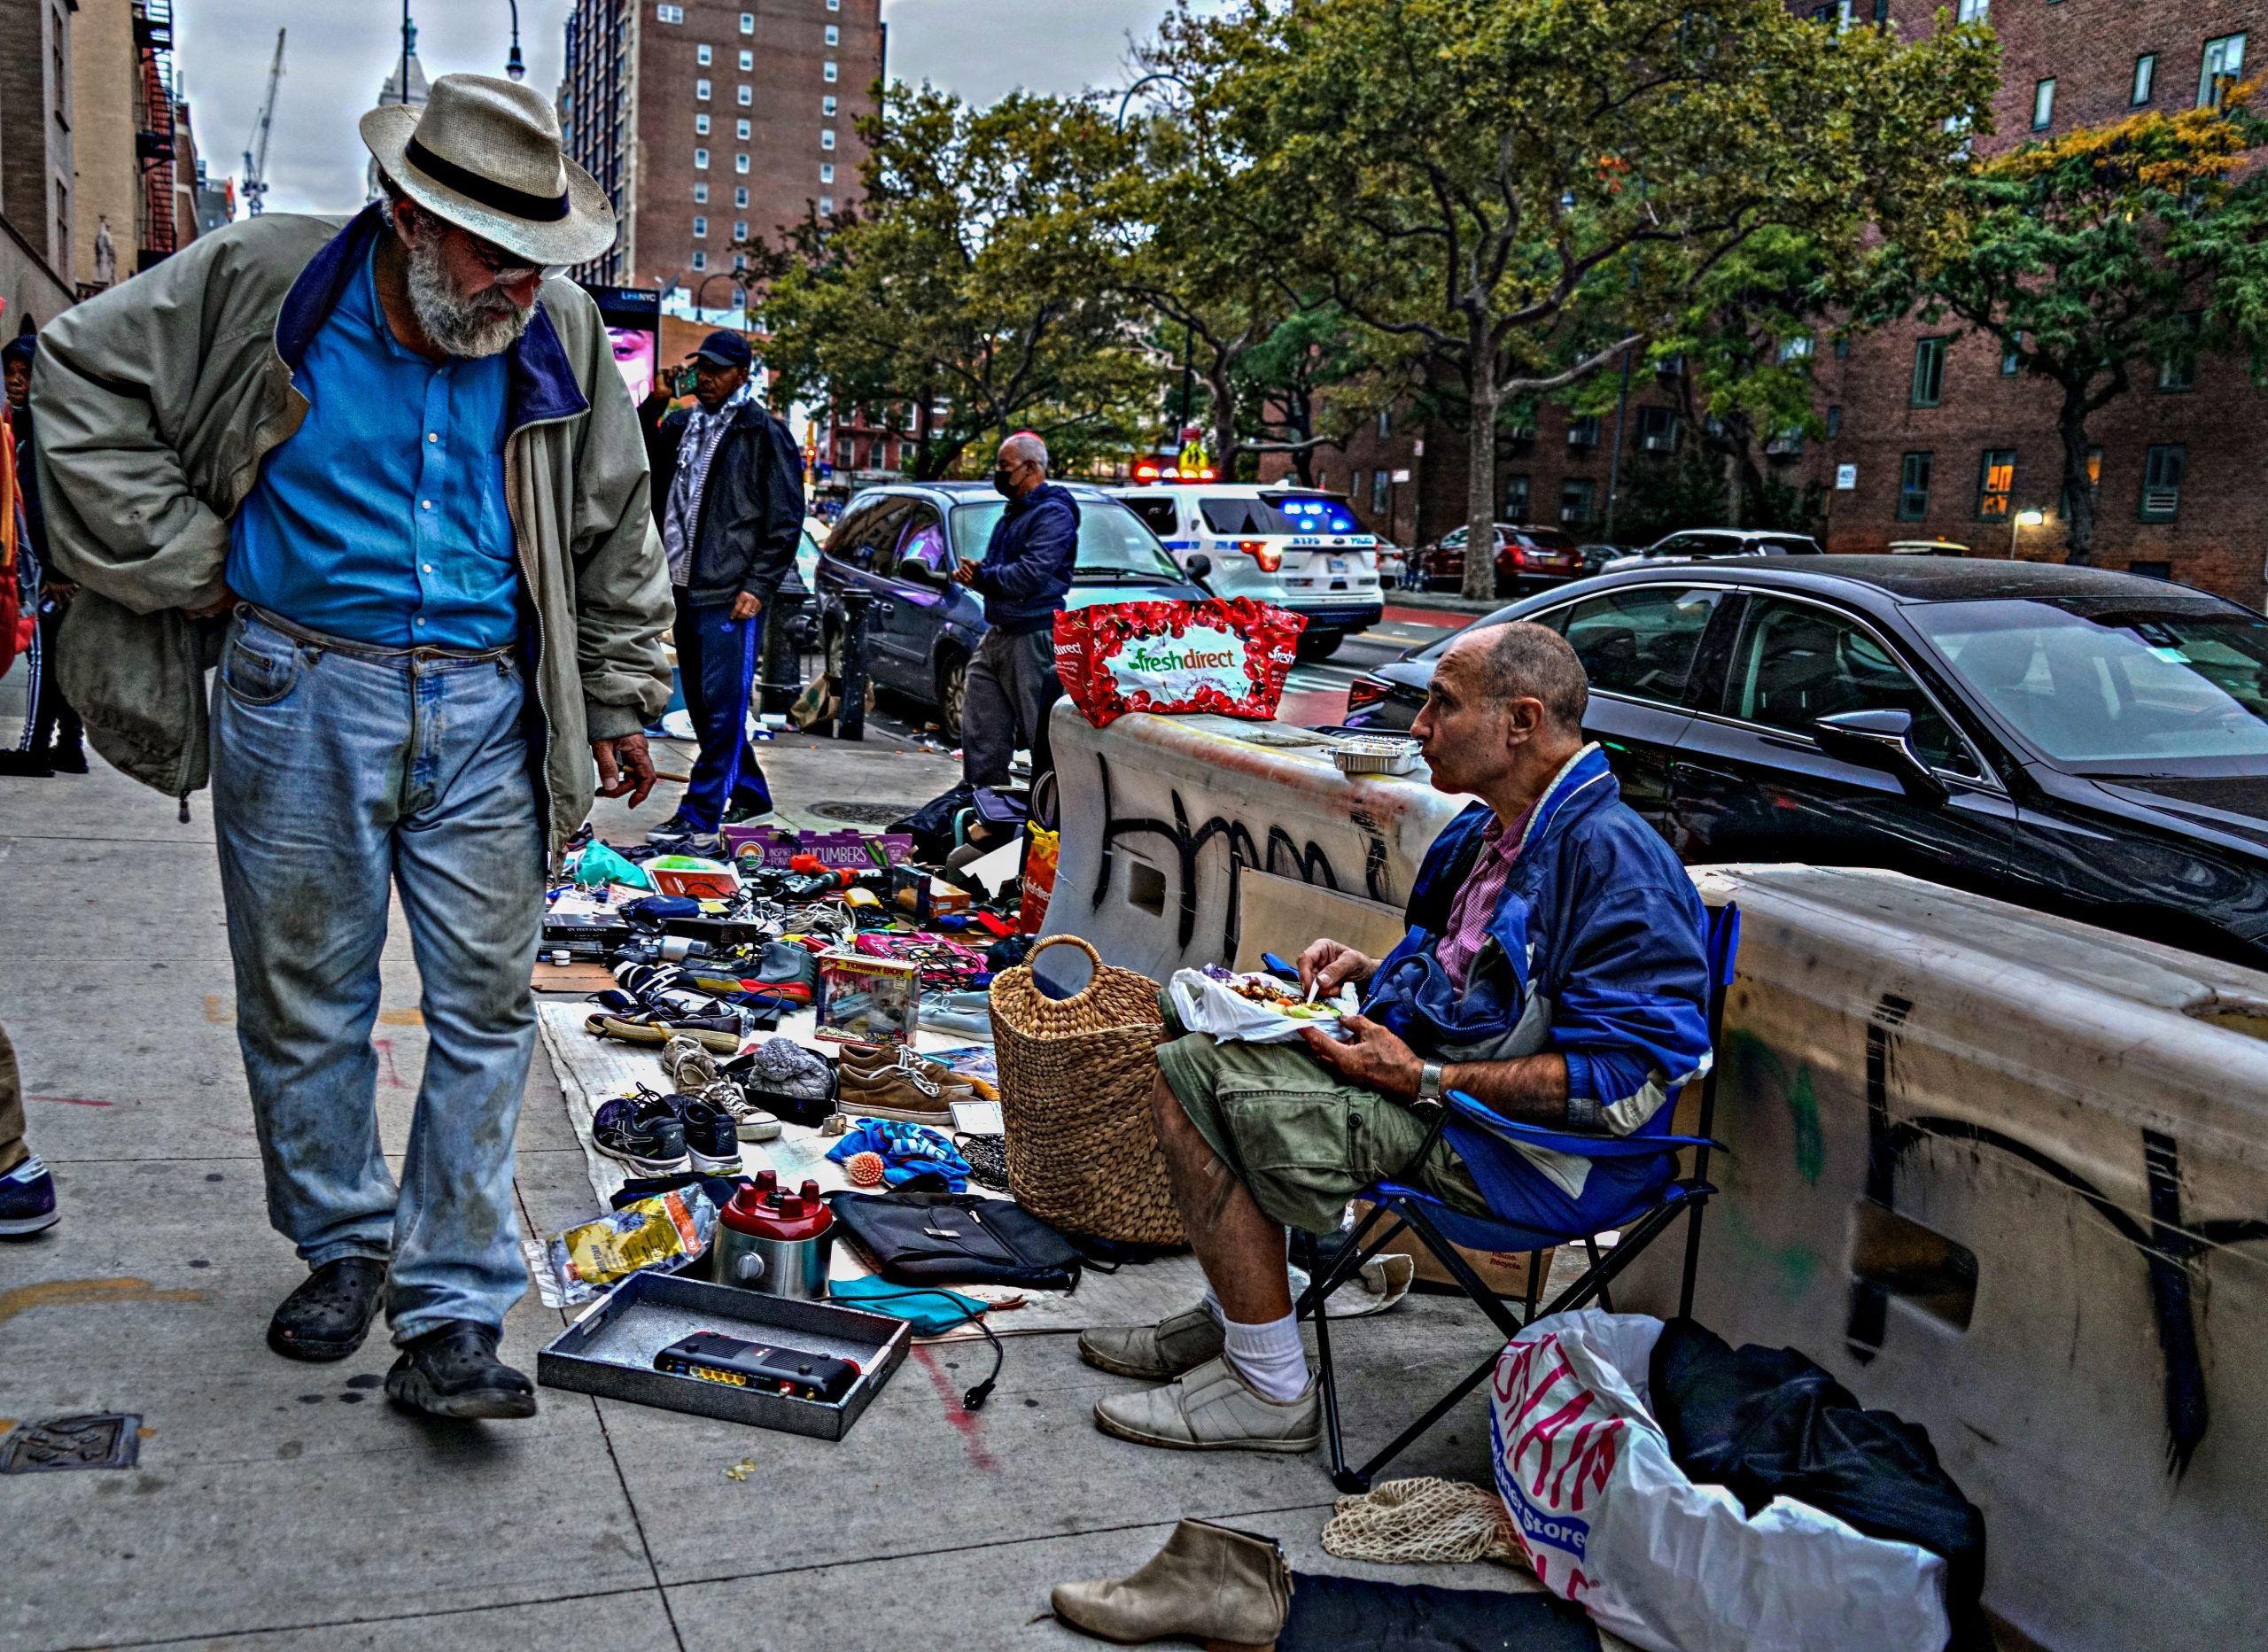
(536, 208)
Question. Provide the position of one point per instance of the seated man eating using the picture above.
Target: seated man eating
(1554, 970)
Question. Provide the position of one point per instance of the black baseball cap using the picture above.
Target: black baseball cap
(724, 349)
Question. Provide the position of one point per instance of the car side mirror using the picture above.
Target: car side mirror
(913, 571)
(1882, 740)
(1198, 565)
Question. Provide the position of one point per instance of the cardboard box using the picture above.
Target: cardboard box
(1505, 1272)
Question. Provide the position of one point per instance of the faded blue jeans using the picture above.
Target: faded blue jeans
(343, 772)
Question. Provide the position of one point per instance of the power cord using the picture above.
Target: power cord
(974, 1399)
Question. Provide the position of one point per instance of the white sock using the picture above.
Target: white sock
(1212, 1304)
(1270, 1357)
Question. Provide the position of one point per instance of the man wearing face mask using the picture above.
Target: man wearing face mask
(1012, 684)
(388, 480)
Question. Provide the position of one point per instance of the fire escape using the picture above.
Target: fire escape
(153, 144)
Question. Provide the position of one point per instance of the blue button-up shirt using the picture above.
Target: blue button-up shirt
(382, 518)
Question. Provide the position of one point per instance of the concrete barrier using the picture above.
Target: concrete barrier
(2003, 1173)
(1161, 816)
(2007, 1175)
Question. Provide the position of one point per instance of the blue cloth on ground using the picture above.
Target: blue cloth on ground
(931, 1311)
(906, 1150)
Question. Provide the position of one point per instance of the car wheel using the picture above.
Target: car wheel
(1320, 645)
(952, 693)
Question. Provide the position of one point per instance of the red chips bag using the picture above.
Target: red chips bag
(1230, 657)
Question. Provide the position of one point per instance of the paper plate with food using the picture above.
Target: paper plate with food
(1252, 1006)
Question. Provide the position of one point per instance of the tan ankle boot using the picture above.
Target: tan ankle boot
(1229, 1589)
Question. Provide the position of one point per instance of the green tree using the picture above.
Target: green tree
(1523, 190)
(967, 296)
(2109, 252)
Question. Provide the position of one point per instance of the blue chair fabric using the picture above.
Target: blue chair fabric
(1485, 1140)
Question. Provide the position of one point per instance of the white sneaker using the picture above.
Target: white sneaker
(1213, 1408)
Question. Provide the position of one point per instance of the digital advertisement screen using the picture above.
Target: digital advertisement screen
(633, 358)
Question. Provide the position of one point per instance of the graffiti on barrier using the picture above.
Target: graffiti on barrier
(2169, 1245)
(1277, 852)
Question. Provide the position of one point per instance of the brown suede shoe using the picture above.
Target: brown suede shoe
(1229, 1589)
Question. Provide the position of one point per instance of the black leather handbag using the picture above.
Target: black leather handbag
(956, 1239)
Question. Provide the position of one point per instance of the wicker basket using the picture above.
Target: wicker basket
(1076, 1077)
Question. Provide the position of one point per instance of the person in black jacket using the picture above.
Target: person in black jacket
(1012, 683)
(52, 741)
(730, 519)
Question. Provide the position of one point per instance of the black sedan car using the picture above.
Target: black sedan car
(2088, 743)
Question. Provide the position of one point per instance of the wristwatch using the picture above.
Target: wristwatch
(1429, 1081)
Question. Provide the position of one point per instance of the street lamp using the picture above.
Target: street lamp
(513, 69)
(2022, 519)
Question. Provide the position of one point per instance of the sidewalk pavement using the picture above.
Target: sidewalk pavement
(280, 1505)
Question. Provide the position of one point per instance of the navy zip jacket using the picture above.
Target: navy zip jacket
(1027, 568)
(750, 519)
(1596, 951)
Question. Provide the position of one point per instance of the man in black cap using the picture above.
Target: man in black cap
(733, 512)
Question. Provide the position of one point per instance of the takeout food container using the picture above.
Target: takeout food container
(1375, 754)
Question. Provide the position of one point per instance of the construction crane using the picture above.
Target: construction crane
(256, 152)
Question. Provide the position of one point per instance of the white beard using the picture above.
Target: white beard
(463, 327)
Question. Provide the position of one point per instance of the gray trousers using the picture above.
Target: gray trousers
(1012, 687)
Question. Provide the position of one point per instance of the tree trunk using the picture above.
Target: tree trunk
(1225, 452)
(1480, 481)
(2078, 521)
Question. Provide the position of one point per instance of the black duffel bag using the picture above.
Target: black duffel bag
(956, 1239)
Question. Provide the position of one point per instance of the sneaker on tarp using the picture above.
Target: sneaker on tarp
(644, 1131)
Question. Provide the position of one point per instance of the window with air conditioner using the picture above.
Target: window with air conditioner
(834, 36)
(826, 205)
(739, 228)
(701, 160)
(828, 73)
(827, 105)
(701, 195)
(740, 196)
(827, 137)
(826, 172)
(701, 126)
(740, 163)
(1577, 496)
(748, 22)
(1657, 430)
(1996, 484)
(1914, 487)
(700, 228)
(2163, 470)
(2222, 69)
(703, 55)
(745, 97)
(1583, 431)
(747, 60)
(740, 129)
(701, 92)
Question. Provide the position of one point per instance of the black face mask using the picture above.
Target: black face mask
(1004, 482)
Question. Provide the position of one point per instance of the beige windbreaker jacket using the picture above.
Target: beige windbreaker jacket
(157, 401)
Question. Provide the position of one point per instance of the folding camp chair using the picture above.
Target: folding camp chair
(1441, 1230)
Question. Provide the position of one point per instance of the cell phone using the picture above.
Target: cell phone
(712, 1357)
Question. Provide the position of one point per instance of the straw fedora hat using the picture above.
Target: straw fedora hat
(485, 153)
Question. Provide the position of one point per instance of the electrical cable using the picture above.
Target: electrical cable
(974, 1399)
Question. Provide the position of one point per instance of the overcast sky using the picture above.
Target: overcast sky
(340, 52)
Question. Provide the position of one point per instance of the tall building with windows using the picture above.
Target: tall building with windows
(1935, 433)
(710, 122)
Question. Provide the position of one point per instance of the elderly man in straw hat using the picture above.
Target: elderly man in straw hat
(387, 478)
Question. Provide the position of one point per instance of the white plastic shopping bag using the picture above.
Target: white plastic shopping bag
(1208, 1001)
(1611, 1522)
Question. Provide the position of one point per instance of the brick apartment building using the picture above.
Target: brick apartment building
(1947, 445)
(710, 121)
(1936, 440)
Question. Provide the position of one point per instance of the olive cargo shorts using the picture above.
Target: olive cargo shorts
(1303, 1140)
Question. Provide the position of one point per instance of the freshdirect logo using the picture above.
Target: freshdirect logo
(1142, 657)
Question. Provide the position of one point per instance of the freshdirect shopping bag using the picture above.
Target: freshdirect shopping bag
(1609, 1521)
(1230, 657)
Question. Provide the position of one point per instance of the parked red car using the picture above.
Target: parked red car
(1528, 559)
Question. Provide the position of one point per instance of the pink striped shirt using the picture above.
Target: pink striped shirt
(1476, 901)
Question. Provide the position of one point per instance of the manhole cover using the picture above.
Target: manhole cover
(864, 814)
(109, 1439)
